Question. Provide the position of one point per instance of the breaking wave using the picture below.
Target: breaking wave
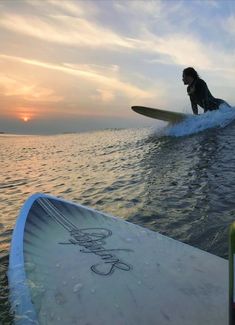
(194, 124)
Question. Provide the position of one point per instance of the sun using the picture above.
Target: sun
(24, 114)
(25, 119)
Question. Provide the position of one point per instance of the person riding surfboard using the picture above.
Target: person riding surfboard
(199, 92)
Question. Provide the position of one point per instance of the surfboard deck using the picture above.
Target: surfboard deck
(70, 264)
(159, 114)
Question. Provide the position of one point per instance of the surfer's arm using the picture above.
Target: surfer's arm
(202, 93)
(195, 109)
(194, 106)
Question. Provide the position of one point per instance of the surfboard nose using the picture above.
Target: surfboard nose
(137, 108)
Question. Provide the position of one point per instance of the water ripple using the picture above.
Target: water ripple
(13, 183)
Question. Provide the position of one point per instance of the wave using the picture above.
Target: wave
(197, 123)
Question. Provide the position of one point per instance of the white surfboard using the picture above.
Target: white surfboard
(159, 114)
(73, 265)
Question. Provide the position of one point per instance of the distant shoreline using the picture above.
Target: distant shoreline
(2, 133)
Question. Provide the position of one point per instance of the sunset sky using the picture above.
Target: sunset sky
(80, 65)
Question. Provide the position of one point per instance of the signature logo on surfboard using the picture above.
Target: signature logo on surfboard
(91, 240)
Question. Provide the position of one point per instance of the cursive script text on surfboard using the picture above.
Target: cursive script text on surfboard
(93, 241)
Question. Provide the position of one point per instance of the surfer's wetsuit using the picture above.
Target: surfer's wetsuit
(200, 95)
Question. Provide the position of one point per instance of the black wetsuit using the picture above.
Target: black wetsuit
(200, 95)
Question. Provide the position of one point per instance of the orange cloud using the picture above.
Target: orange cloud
(110, 83)
(14, 87)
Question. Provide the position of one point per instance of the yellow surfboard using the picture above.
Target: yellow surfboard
(159, 114)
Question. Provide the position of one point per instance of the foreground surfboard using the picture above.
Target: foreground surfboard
(168, 116)
(73, 265)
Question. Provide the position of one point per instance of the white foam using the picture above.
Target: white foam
(194, 124)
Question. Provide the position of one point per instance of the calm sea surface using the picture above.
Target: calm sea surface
(182, 187)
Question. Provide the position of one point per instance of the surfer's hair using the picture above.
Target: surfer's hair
(191, 72)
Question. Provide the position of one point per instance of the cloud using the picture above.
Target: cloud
(29, 92)
(112, 69)
(229, 25)
(174, 47)
(178, 49)
(163, 34)
(108, 83)
(136, 7)
(212, 3)
(104, 96)
(73, 8)
(64, 30)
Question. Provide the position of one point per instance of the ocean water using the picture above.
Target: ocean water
(177, 180)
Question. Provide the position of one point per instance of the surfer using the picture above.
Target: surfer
(199, 93)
